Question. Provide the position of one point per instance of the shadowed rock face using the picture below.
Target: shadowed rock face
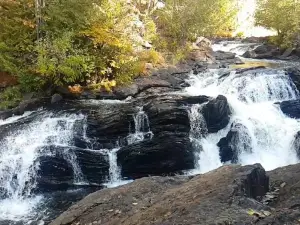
(56, 170)
(236, 141)
(216, 114)
(291, 108)
(222, 195)
(164, 154)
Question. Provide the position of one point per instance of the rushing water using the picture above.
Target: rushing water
(18, 160)
(265, 131)
(140, 132)
(22, 147)
(251, 97)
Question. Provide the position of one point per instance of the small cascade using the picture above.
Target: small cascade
(141, 131)
(251, 97)
(234, 46)
(19, 154)
(115, 178)
(70, 156)
(141, 128)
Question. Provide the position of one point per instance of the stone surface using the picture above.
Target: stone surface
(294, 73)
(166, 153)
(264, 51)
(219, 197)
(291, 108)
(296, 143)
(65, 166)
(216, 114)
(237, 140)
(56, 98)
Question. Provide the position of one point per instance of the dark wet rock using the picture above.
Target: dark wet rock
(294, 73)
(216, 114)
(264, 51)
(243, 70)
(109, 126)
(192, 100)
(166, 153)
(220, 55)
(54, 173)
(237, 140)
(94, 165)
(291, 108)
(5, 114)
(61, 167)
(249, 54)
(296, 143)
(56, 98)
(219, 197)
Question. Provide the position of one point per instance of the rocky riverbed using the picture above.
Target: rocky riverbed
(182, 120)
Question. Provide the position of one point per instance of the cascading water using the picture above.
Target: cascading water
(140, 132)
(19, 153)
(251, 97)
(141, 128)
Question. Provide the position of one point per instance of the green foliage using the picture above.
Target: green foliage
(182, 21)
(61, 61)
(100, 43)
(281, 15)
(10, 97)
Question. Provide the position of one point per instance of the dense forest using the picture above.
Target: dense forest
(104, 43)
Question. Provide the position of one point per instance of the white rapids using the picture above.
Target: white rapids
(18, 154)
(251, 98)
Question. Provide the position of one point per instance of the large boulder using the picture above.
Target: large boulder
(221, 55)
(291, 108)
(216, 114)
(166, 153)
(264, 51)
(223, 196)
(237, 140)
(61, 167)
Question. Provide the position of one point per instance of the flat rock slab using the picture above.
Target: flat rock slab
(217, 197)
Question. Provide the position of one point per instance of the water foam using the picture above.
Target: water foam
(251, 97)
(18, 160)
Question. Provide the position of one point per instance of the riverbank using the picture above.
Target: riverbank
(228, 195)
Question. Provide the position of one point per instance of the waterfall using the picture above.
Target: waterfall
(19, 152)
(251, 97)
(141, 128)
(140, 132)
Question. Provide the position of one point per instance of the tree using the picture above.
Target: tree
(282, 16)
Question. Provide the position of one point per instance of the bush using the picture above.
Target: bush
(10, 97)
